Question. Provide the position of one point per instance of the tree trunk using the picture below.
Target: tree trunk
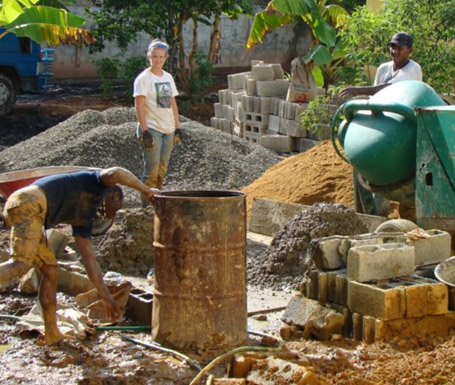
(213, 55)
(192, 58)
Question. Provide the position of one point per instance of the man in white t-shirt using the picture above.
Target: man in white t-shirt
(398, 69)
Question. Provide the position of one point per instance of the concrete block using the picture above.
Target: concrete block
(331, 252)
(341, 287)
(139, 306)
(57, 241)
(256, 62)
(251, 86)
(248, 103)
(278, 143)
(385, 301)
(237, 130)
(228, 113)
(420, 328)
(73, 283)
(236, 81)
(299, 109)
(218, 107)
(375, 262)
(255, 128)
(276, 105)
(268, 216)
(236, 96)
(434, 248)
(262, 72)
(224, 96)
(357, 326)
(272, 87)
(225, 126)
(215, 123)
(306, 144)
(29, 283)
(278, 71)
(425, 296)
(292, 128)
(255, 118)
(274, 124)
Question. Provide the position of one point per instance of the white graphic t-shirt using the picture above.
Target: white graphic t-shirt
(158, 92)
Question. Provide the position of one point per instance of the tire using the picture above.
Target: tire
(7, 95)
(396, 226)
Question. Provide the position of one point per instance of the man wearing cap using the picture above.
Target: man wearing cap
(398, 69)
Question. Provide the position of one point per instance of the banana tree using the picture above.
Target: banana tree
(42, 21)
(322, 19)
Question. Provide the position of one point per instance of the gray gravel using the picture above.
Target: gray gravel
(206, 159)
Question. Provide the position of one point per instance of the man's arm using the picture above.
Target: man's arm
(94, 273)
(350, 92)
(118, 175)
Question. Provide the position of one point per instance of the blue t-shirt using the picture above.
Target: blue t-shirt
(73, 198)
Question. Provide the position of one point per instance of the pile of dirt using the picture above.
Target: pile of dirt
(316, 175)
(284, 263)
(205, 159)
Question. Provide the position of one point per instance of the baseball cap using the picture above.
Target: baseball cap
(401, 38)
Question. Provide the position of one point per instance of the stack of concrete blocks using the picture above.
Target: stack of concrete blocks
(383, 284)
(244, 108)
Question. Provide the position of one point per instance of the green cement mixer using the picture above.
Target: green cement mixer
(401, 144)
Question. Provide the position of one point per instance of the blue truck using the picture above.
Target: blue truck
(23, 69)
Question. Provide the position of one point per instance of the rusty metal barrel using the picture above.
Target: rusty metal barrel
(200, 269)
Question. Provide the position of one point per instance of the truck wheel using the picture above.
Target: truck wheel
(7, 95)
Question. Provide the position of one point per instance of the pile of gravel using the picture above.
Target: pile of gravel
(206, 159)
(284, 264)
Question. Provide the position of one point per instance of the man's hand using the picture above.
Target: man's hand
(113, 310)
(349, 92)
(151, 193)
(177, 138)
(147, 140)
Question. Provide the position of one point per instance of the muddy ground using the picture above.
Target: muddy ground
(104, 358)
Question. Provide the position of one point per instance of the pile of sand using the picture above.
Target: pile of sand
(317, 175)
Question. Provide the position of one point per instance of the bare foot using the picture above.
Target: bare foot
(53, 338)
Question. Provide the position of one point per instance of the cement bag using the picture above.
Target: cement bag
(302, 87)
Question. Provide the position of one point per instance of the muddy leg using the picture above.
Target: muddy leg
(48, 301)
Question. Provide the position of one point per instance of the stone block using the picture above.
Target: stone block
(385, 300)
(251, 86)
(274, 124)
(139, 306)
(357, 326)
(215, 123)
(218, 107)
(237, 130)
(73, 283)
(341, 287)
(257, 119)
(375, 262)
(272, 87)
(277, 143)
(425, 296)
(292, 128)
(432, 249)
(262, 72)
(236, 96)
(236, 81)
(306, 144)
(264, 105)
(248, 103)
(57, 241)
(225, 126)
(420, 328)
(278, 71)
(224, 96)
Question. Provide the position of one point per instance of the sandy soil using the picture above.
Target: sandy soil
(104, 358)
